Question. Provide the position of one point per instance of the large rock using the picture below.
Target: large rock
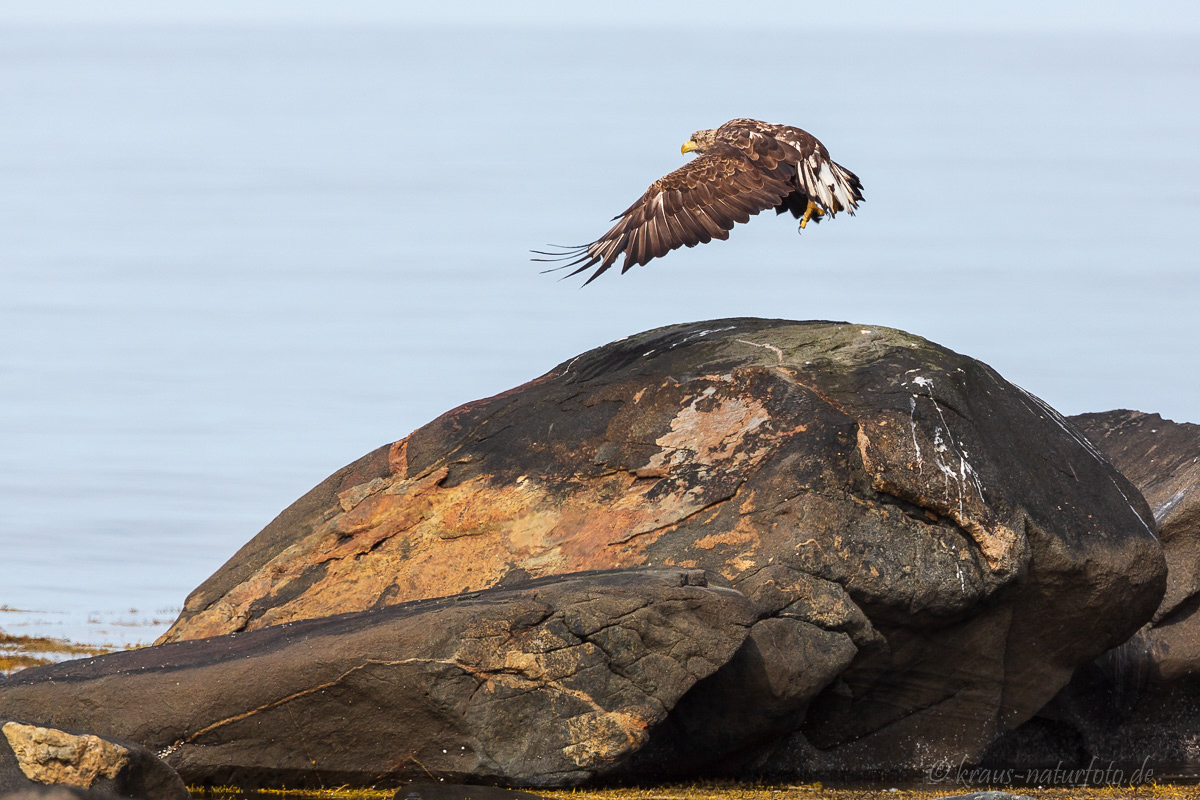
(43, 761)
(1139, 702)
(553, 683)
(930, 550)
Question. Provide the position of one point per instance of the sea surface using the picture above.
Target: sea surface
(234, 259)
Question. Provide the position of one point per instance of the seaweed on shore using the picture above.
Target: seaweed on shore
(21, 652)
(751, 791)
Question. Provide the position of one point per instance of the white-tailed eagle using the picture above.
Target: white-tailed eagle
(744, 167)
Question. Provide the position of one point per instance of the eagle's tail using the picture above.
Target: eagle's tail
(830, 185)
(847, 188)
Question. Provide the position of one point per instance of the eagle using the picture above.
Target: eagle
(744, 167)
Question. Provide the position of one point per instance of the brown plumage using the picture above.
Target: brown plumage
(745, 166)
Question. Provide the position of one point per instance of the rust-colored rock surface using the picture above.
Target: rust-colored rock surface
(955, 543)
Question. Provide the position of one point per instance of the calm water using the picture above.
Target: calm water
(233, 260)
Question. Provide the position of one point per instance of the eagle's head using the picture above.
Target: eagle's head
(699, 141)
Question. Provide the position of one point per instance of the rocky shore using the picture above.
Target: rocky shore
(740, 549)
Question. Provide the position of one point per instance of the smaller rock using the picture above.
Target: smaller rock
(1139, 703)
(553, 682)
(989, 795)
(81, 764)
(1161, 458)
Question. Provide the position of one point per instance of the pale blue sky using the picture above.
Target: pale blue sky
(1170, 16)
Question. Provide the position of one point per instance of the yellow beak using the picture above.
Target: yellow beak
(688, 146)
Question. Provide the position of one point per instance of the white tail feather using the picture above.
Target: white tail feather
(827, 183)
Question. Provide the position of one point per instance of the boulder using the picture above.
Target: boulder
(1138, 704)
(48, 762)
(1162, 458)
(929, 550)
(554, 682)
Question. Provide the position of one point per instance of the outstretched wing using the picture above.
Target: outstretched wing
(699, 202)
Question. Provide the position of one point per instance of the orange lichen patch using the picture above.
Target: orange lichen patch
(476, 509)
(742, 535)
(404, 538)
(351, 497)
(635, 514)
(1001, 546)
(711, 435)
(415, 540)
(398, 458)
(600, 736)
(738, 566)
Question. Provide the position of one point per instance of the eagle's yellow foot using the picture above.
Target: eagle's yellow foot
(813, 208)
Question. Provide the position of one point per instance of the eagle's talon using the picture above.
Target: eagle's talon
(812, 208)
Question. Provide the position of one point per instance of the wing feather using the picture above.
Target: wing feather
(699, 202)
(673, 199)
(690, 232)
(710, 225)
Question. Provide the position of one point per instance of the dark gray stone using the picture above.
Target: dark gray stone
(553, 682)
